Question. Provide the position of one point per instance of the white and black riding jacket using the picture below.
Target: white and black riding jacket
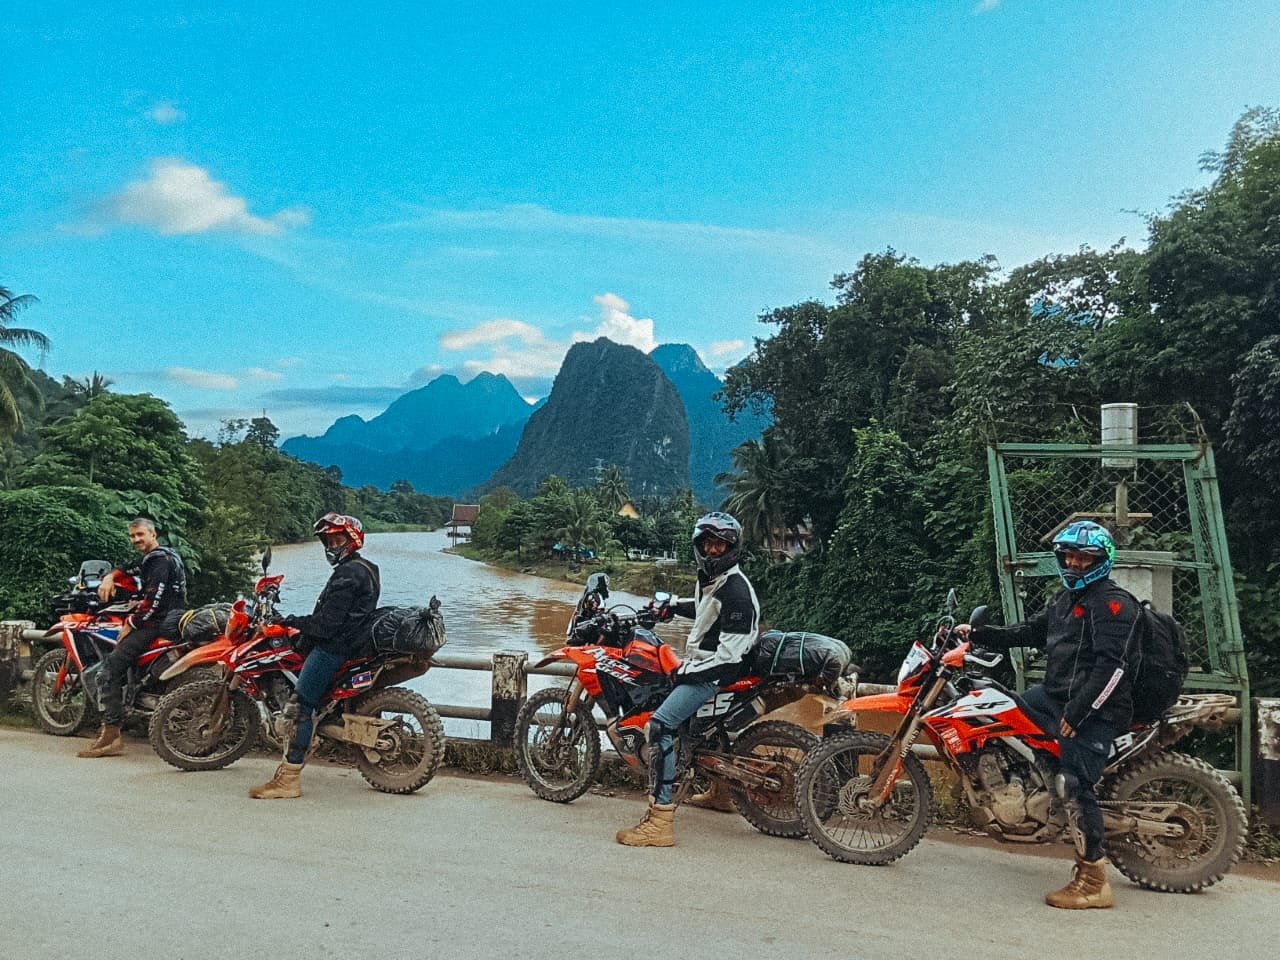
(726, 622)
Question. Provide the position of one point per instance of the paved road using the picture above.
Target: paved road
(481, 868)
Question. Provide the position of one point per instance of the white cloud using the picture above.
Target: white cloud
(525, 355)
(735, 349)
(258, 373)
(491, 331)
(534, 219)
(617, 323)
(165, 113)
(986, 6)
(182, 198)
(201, 378)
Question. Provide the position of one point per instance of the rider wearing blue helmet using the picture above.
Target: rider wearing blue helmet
(1086, 696)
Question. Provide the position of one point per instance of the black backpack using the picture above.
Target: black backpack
(1161, 663)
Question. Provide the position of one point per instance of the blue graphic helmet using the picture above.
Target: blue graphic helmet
(1084, 537)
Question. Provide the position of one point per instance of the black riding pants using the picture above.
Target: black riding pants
(1083, 758)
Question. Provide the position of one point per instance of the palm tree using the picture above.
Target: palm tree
(612, 487)
(583, 526)
(14, 372)
(755, 488)
(88, 387)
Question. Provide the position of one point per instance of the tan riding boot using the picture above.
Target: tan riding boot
(716, 797)
(285, 785)
(109, 743)
(1088, 887)
(654, 828)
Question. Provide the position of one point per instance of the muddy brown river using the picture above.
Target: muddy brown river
(486, 608)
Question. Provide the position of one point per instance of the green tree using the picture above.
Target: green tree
(122, 442)
(47, 532)
(757, 495)
(612, 487)
(15, 375)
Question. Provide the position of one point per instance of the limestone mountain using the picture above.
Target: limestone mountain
(712, 435)
(609, 404)
(443, 438)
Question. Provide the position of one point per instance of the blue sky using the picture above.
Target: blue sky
(309, 209)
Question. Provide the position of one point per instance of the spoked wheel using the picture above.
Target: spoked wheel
(69, 708)
(834, 797)
(1208, 814)
(409, 750)
(773, 811)
(202, 725)
(558, 753)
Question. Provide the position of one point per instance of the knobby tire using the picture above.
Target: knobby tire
(835, 777)
(181, 730)
(1215, 820)
(770, 812)
(558, 755)
(410, 751)
(72, 709)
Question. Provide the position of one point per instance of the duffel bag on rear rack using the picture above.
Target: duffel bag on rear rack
(407, 629)
(806, 656)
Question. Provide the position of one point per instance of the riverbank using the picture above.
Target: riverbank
(640, 577)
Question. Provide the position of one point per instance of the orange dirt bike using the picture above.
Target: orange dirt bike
(394, 737)
(1172, 821)
(627, 671)
(193, 739)
(64, 693)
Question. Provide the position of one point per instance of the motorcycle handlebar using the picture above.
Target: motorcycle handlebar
(613, 624)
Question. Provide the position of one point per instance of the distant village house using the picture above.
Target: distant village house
(464, 515)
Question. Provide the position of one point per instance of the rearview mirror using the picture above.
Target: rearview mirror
(952, 602)
(266, 558)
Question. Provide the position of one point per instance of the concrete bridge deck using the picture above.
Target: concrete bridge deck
(126, 858)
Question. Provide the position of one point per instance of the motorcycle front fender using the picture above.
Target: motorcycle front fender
(208, 653)
(879, 702)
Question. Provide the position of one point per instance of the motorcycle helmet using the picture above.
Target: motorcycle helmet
(1087, 538)
(341, 536)
(710, 532)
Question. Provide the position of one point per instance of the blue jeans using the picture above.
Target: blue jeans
(1083, 758)
(313, 683)
(681, 704)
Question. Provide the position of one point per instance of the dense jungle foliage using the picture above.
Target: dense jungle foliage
(82, 460)
(884, 402)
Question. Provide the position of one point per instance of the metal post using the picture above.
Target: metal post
(12, 649)
(509, 689)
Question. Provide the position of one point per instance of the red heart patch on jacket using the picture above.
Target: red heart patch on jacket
(1115, 608)
(1077, 611)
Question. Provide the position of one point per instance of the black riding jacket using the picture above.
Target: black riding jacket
(1087, 636)
(163, 582)
(340, 620)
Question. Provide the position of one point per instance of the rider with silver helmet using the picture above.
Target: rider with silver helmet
(726, 621)
(1087, 632)
(333, 633)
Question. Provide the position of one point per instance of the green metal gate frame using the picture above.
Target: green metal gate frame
(1213, 636)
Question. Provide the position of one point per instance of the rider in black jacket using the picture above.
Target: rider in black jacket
(158, 577)
(1086, 697)
(333, 633)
